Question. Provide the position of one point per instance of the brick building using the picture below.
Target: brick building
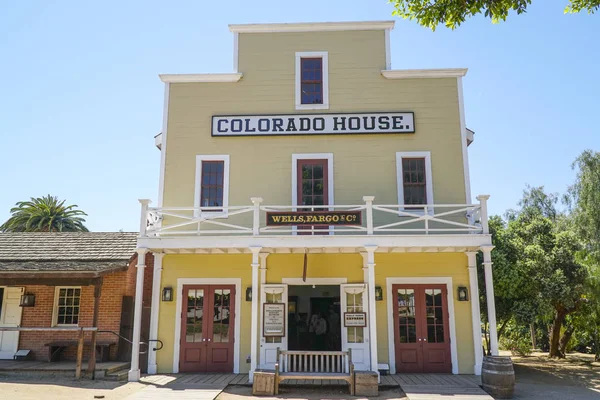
(62, 271)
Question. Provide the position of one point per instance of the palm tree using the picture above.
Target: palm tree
(44, 214)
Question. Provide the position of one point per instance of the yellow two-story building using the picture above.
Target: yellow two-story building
(315, 199)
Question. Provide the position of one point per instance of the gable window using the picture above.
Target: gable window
(312, 83)
(66, 306)
(415, 186)
(212, 184)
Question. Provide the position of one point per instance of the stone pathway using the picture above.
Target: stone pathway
(441, 386)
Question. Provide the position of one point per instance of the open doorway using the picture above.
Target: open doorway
(314, 317)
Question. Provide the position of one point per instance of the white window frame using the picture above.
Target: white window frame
(55, 306)
(330, 186)
(198, 186)
(428, 179)
(312, 54)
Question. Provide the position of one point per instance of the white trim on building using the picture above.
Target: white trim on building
(428, 176)
(464, 140)
(312, 54)
(163, 145)
(424, 73)
(388, 51)
(312, 27)
(236, 52)
(238, 315)
(451, 316)
(198, 186)
(312, 156)
(191, 78)
(55, 305)
(314, 281)
(330, 186)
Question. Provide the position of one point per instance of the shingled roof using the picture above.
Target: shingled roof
(66, 251)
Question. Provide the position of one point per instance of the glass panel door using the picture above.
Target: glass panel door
(354, 304)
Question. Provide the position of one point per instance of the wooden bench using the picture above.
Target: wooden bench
(308, 365)
(57, 347)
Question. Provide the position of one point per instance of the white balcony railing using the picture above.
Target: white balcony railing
(250, 220)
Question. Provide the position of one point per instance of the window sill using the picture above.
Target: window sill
(312, 106)
(416, 213)
(211, 215)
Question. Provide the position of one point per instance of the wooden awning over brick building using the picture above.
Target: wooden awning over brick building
(53, 258)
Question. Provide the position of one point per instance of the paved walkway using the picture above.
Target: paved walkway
(439, 386)
(414, 386)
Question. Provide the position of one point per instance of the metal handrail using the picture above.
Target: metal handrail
(125, 339)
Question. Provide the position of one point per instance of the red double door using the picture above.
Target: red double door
(421, 328)
(207, 328)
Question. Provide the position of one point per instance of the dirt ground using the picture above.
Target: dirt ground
(575, 378)
(59, 387)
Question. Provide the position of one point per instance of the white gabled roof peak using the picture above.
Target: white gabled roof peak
(312, 26)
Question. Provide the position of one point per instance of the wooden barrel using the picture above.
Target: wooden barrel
(498, 376)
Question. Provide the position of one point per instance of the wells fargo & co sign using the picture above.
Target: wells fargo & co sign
(312, 124)
(308, 218)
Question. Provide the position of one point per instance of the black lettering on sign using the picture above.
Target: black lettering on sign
(354, 123)
(339, 123)
(220, 127)
(319, 124)
(291, 127)
(397, 121)
(247, 128)
(278, 125)
(236, 125)
(366, 123)
(313, 124)
(264, 125)
(304, 124)
(384, 122)
(308, 218)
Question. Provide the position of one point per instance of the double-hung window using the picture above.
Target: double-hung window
(312, 81)
(212, 184)
(415, 186)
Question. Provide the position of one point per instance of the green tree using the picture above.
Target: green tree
(537, 271)
(452, 13)
(44, 214)
(584, 197)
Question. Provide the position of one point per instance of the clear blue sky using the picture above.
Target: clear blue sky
(81, 100)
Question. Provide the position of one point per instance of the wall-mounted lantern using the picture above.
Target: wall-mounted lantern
(27, 300)
(463, 293)
(249, 293)
(378, 293)
(167, 294)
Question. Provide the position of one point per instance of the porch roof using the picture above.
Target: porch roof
(81, 246)
(90, 254)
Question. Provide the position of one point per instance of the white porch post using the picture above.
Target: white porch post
(255, 293)
(134, 372)
(263, 268)
(372, 312)
(475, 311)
(489, 290)
(156, 279)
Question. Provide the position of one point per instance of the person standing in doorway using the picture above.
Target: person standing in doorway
(334, 325)
(321, 332)
(312, 329)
